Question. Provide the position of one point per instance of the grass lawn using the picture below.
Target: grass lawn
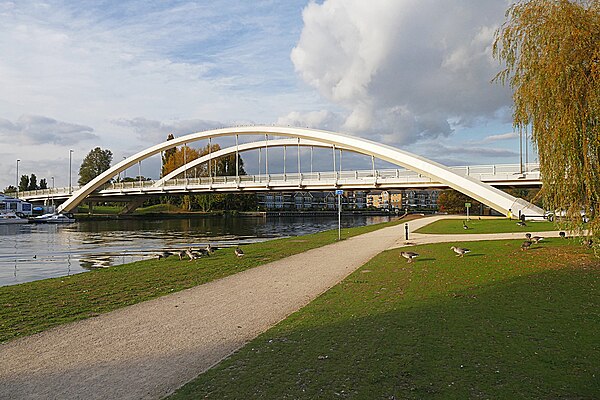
(475, 225)
(499, 323)
(35, 306)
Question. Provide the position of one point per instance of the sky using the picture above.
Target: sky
(123, 74)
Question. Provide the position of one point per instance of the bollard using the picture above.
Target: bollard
(406, 230)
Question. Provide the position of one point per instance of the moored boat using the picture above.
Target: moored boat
(12, 218)
(55, 218)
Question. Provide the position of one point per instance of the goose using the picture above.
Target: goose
(239, 252)
(537, 239)
(465, 225)
(562, 234)
(209, 249)
(460, 251)
(409, 255)
(181, 254)
(521, 223)
(526, 245)
(191, 254)
(589, 243)
(528, 236)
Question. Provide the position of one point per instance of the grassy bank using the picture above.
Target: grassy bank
(499, 323)
(475, 225)
(35, 306)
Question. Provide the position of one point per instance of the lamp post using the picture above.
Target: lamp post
(18, 177)
(70, 180)
(52, 191)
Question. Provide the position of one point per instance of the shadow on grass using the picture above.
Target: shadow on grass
(527, 337)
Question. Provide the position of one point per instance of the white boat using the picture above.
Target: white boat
(55, 218)
(12, 218)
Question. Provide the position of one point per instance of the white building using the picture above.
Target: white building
(11, 204)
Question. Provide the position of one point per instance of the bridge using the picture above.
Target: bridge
(477, 182)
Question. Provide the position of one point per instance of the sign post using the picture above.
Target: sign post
(339, 195)
(467, 206)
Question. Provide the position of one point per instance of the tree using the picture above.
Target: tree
(10, 189)
(24, 183)
(453, 202)
(33, 183)
(96, 162)
(167, 154)
(43, 184)
(551, 51)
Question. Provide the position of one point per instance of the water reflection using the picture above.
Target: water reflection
(37, 251)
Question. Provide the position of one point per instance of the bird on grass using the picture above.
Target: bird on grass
(409, 255)
(528, 236)
(193, 256)
(588, 243)
(521, 223)
(562, 234)
(181, 254)
(526, 245)
(537, 239)
(465, 225)
(209, 249)
(460, 251)
(239, 252)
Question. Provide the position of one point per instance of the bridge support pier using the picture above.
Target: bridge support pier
(132, 206)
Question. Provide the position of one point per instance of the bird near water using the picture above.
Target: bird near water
(239, 252)
(460, 251)
(191, 254)
(409, 255)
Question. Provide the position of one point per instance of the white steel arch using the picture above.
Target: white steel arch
(495, 198)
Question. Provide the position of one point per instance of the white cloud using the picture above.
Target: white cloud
(503, 136)
(157, 131)
(405, 69)
(322, 119)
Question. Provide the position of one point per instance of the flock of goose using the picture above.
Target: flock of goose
(461, 251)
(192, 254)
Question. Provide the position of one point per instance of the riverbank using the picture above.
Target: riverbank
(148, 349)
(36, 306)
(221, 214)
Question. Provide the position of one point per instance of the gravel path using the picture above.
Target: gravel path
(148, 350)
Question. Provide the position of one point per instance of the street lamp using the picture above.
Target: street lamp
(70, 180)
(52, 191)
(18, 177)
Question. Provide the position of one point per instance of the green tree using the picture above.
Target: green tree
(10, 189)
(33, 183)
(551, 51)
(43, 184)
(24, 183)
(453, 202)
(96, 162)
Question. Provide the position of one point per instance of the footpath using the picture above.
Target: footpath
(148, 350)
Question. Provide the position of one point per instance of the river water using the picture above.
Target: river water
(37, 251)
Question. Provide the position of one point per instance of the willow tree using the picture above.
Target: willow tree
(551, 55)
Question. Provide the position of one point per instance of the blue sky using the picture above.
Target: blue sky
(123, 74)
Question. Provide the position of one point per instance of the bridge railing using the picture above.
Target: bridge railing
(485, 173)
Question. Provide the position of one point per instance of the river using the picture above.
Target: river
(37, 251)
